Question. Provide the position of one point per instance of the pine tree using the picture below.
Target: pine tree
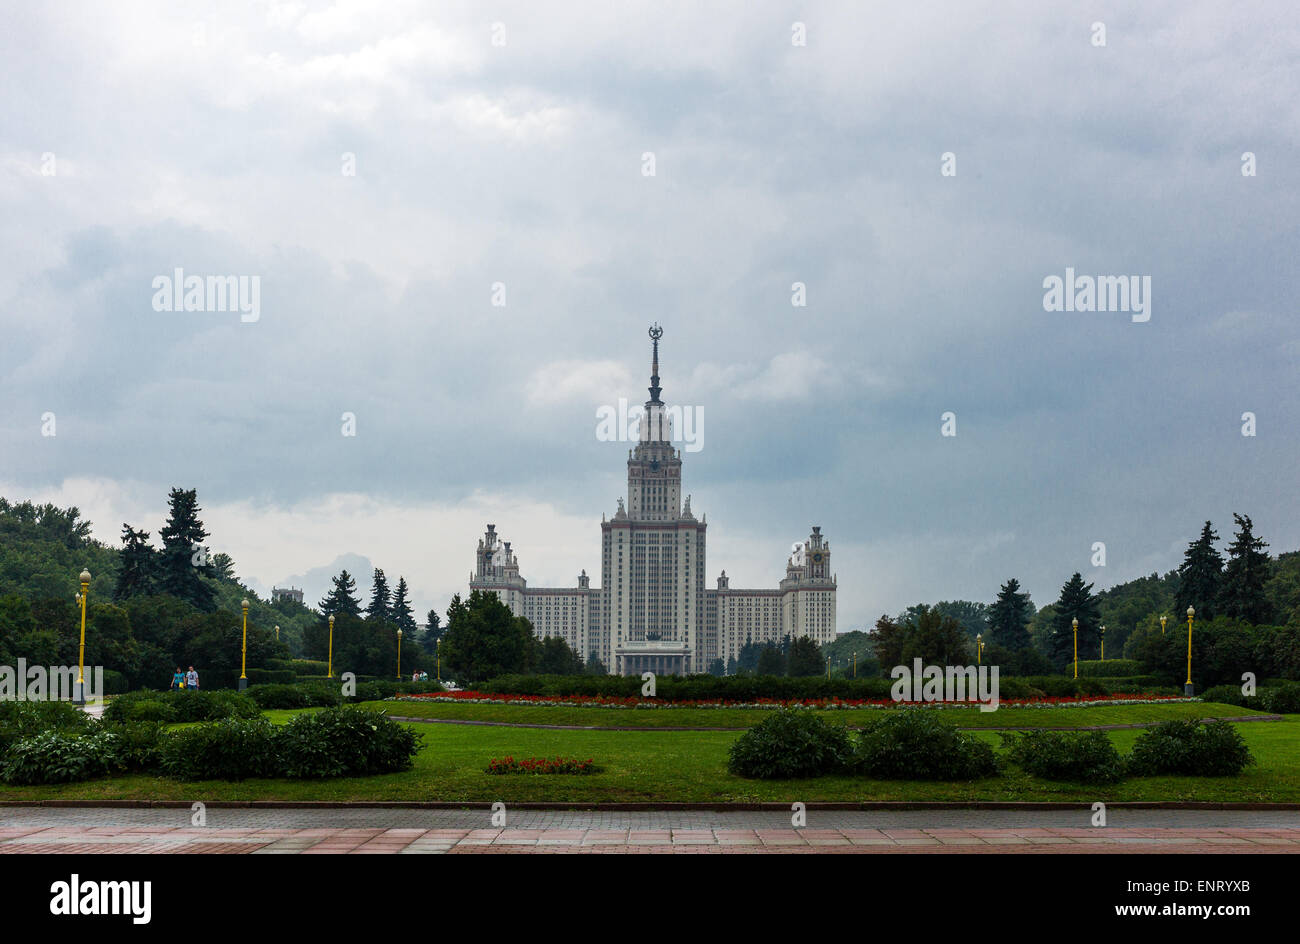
(1008, 618)
(342, 599)
(1200, 578)
(184, 559)
(400, 610)
(1241, 592)
(1076, 602)
(379, 610)
(139, 565)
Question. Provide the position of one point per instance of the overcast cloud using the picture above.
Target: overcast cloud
(213, 138)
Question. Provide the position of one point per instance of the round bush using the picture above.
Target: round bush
(231, 749)
(1080, 756)
(916, 744)
(1189, 748)
(56, 757)
(791, 743)
(24, 719)
(345, 742)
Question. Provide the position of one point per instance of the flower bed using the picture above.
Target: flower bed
(607, 701)
(541, 765)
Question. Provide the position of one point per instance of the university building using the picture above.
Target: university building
(652, 611)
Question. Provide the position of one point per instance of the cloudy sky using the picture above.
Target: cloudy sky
(379, 167)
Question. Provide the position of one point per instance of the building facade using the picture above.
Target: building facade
(653, 611)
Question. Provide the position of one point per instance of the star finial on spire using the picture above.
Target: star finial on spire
(656, 333)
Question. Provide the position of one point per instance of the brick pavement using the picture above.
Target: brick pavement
(408, 831)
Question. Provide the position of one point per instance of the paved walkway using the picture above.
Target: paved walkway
(280, 831)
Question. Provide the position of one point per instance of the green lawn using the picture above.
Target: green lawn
(691, 766)
(1007, 717)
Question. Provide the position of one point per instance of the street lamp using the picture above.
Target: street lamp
(277, 634)
(1103, 642)
(79, 694)
(437, 655)
(855, 665)
(1162, 624)
(1075, 623)
(979, 648)
(1187, 689)
(243, 657)
(329, 672)
(399, 653)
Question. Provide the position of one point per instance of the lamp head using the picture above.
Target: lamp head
(399, 632)
(331, 621)
(1075, 622)
(1191, 611)
(85, 576)
(244, 604)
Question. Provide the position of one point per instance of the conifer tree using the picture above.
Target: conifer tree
(1241, 593)
(342, 598)
(184, 559)
(1200, 577)
(378, 610)
(1076, 602)
(1008, 618)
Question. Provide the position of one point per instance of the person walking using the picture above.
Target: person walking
(191, 678)
(178, 678)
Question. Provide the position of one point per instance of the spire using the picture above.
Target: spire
(656, 333)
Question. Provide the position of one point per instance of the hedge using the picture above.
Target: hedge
(1111, 668)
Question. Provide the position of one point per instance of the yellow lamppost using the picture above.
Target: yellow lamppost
(1103, 642)
(399, 653)
(329, 672)
(437, 655)
(277, 634)
(979, 648)
(243, 657)
(1075, 623)
(80, 694)
(1191, 612)
(1162, 624)
(855, 665)
(828, 666)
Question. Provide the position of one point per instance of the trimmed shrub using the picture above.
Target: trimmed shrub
(272, 676)
(57, 757)
(324, 695)
(791, 743)
(148, 709)
(916, 744)
(1189, 748)
(1230, 695)
(186, 705)
(230, 749)
(1283, 699)
(1111, 668)
(309, 667)
(24, 719)
(345, 742)
(1080, 756)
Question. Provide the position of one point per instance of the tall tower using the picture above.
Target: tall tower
(654, 469)
(652, 562)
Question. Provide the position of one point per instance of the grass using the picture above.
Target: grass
(1008, 716)
(652, 766)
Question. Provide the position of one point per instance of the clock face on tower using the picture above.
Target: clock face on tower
(654, 465)
(818, 557)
